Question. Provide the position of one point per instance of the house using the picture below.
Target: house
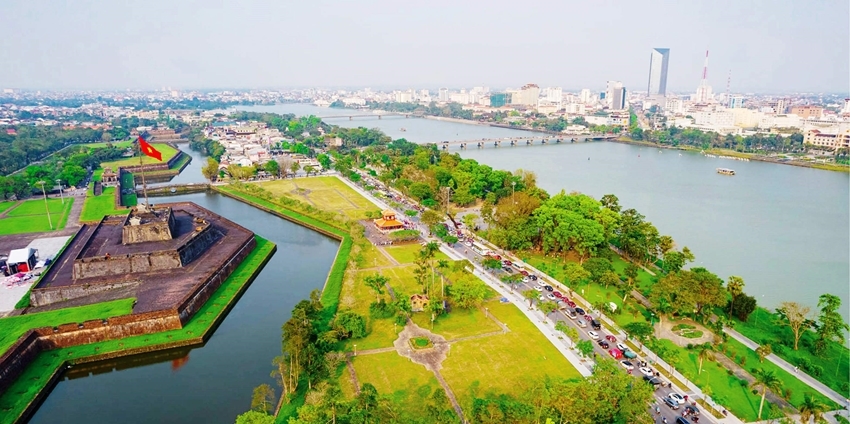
(388, 221)
(21, 260)
(418, 302)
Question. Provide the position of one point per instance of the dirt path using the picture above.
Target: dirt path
(388, 256)
(353, 375)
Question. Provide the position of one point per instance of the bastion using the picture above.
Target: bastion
(168, 256)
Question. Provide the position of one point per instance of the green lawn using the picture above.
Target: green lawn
(31, 217)
(406, 254)
(128, 182)
(715, 380)
(504, 363)
(12, 328)
(167, 153)
(371, 258)
(458, 323)
(34, 379)
(762, 328)
(7, 205)
(326, 193)
(97, 174)
(120, 144)
(789, 381)
(96, 207)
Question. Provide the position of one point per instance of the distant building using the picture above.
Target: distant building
(528, 95)
(658, 61)
(736, 102)
(807, 112)
(610, 88)
(444, 95)
(830, 141)
(498, 99)
(618, 98)
(585, 96)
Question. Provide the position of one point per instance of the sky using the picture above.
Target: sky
(768, 46)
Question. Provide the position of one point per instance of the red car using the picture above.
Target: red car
(571, 303)
(558, 295)
(495, 256)
(611, 338)
(507, 262)
(616, 353)
(588, 318)
(523, 272)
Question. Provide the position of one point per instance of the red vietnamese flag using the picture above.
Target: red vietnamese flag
(148, 150)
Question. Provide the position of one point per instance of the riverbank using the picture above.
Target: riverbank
(24, 396)
(742, 155)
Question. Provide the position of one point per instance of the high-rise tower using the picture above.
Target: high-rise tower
(658, 61)
(703, 94)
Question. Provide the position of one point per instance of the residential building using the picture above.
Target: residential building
(830, 141)
(585, 96)
(807, 112)
(554, 95)
(658, 60)
(610, 87)
(618, 98)
(735, 102)
(444, 95)
(498, 99)
(528, 95)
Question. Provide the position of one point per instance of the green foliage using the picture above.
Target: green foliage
(404, 235)
(381, 309)
(491, 263)
(254, 417)
(831, 326)
(585, 348)
(639, 330)
(743, 306)
(468, 291)
(350, 325)
(263, 398)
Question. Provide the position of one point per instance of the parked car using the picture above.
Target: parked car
(581, 323)
(595, 324)
(580, 311)
(507, 270)
(571, 303)
(611, 338)
(603, 344)
(551, 296)
(506, 262)
(538, 288)
(616, 353)
(588, 318)
(549, 288)
(655, 381)
(558, 295)
(646, 371)
(671, 403)
(593, 335)
(677, 397)
(541, 283)
(692, 410)
(629, 354)
(627, 365)
(622, 347)
(524, 272)
(681, 420)
(533, 277)
(571, 314)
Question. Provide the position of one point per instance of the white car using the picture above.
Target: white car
(622, 347)
(675, 397)
(593, 335)
(646, 371)
(541, 283)
(538, 288)
(628, 365)
(550, 296)
(525, 279)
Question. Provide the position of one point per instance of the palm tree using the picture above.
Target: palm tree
(766, 380)
(530, 295)
(811, 409)
(735, 287)
(704, 351)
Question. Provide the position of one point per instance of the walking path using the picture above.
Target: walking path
(781, 363)
(6, 212)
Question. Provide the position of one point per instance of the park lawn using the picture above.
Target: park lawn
(12, 328)
(167, 153)
(97, 175)
(789, 381)
(503, 363)
(761, 327)
(645, 280)
(326, 193)
(15, 399)
(406, 254)
(458, 323)
(119, 144)
(724, 389)
(21, 224)
(395, 376)
(96, 207)
(128, 182)
(371, 257)
(6, 205)
(37, 207)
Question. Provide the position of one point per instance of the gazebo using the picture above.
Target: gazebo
(388, 221)
(418, 302)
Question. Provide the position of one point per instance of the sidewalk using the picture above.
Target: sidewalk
(781, 363)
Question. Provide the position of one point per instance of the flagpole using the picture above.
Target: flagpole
(142, 166)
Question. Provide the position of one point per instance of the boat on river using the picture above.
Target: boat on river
(725, 171)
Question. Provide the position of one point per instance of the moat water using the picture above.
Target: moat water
(213, 383)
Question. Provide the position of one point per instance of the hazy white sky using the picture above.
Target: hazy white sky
(769, 45)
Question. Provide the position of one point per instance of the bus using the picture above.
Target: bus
(479, 249)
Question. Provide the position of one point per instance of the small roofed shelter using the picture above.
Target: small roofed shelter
(388, 221)
(109, 178)
(418, 302)
(21, 260)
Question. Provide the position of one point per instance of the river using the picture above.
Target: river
(213, 383)
(784, 229)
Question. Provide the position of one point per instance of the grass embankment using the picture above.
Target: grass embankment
(96, 207)
(167, 153)
(833, 367)
(119, 144)
(31, 216)
(128, 183)
(325, 193)
(12, 328)
(36, 377)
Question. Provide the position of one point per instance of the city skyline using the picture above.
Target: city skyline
(189, 45)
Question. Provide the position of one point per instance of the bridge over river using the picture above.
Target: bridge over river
(370, 115)
(523, 141)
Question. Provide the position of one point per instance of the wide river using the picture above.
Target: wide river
(211, 384)
(784, 229)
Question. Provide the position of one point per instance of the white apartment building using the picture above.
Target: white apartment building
(586, 95)
(462, 97)
(828, 140)
(576, 108)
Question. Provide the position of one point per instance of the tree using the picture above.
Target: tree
(491, 263)
(597, 267)
(72, 174)
(349, 324)
(262, 398)
(585, 348)
(795, 316)
(469, 220)
(575, 273)
(547, 308)
(639, 330)
(272, 167)
(324, 160)
(255, 417)
(704, 351)
(831, 325)
(468, 292)
(811, 409)
(688, 291)
(763, 351)
(210, 170)
(765, 380)
(744, 306)
(530, 295)
(631, 272)
(420, 191)
(609, 278)
(431, 218)
(735, 287)
(309, 169)
(376, 282)
(511, 280)
(295, 167)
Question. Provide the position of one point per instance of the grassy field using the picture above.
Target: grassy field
(167, 153)
(458, 323)
(11, 328)
(128, 182)
(31, 216)
(119, 144)
(35, 377)
(406, 254)
(762, 328)
(6, 205)
(326, 193)
(96, 207)
(372, 258)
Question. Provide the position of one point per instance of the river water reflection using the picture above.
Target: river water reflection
(784, 229)
(211, 384)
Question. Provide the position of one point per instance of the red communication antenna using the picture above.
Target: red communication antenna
(705, 67)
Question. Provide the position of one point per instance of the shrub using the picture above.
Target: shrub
(349, 324)
(743, 360)
(382, 310)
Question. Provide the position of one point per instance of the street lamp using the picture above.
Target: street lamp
(59, 182)
(355, 350)
(49, 221)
